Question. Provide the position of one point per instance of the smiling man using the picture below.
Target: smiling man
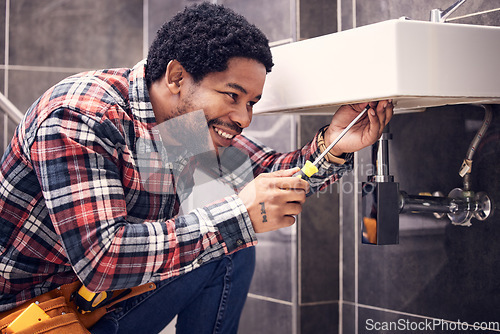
(226, 97)
(75, 206)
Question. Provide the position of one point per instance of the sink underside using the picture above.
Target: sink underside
(416, 64)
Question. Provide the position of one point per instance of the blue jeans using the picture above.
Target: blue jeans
(208, 299)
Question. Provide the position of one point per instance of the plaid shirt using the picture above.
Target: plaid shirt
(73, 203)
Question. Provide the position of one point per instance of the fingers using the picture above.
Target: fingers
(273, 199)
(292, 209)
(359, 106)
(380, 114)
(286, 180)
(384, 112)
(383, 109)
(290, 220)
(288, 190)
(389, 112)
(292, 183)
(276, 216)
(287, 209)
(283, 172)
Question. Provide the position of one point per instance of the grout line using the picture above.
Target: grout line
(44, 68)
(339, 15)
(356, 214)
(284, 302)
(298, 242)
(297, 20)
(341, 217)
(281, 42)
(6, 51)
(270, 299)
(355, 241)
(381, 309)
(341, 257)
(5, 131)
(326, 302)
(145, 30)
(6, 74)
(294, 6)
(473, 14)
(294, 264)
(354, 23)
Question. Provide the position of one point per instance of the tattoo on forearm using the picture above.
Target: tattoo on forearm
(263, 212)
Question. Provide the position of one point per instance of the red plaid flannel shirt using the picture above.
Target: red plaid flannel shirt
(73, 205)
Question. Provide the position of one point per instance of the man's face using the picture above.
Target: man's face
(226, 98)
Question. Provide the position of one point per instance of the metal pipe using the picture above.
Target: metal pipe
(10, 109)
(380, 198)
(380, 158)
(431, 204)
(438, 15)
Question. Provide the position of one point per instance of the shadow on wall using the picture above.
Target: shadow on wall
(462, 263)
(468, 284)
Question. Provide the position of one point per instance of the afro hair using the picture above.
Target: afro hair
(203, 38)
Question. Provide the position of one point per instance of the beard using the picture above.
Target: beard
(217, 121)
(189, 126)
(187, 132)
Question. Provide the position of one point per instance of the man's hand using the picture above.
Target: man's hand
(274, 199)
(365, 132)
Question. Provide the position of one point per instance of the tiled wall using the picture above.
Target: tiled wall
(314, 277)
(438, 271)
(49, 40)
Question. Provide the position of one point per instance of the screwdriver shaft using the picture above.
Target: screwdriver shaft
(318, 159)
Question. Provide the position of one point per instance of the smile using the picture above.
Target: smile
(223, 134)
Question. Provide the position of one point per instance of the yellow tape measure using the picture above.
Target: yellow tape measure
(87, 301)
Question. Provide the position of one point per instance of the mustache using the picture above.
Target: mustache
(231, 126)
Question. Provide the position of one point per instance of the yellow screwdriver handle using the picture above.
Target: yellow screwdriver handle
(308, 170)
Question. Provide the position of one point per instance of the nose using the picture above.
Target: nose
(242, 116)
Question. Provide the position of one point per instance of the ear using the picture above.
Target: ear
(174, 75)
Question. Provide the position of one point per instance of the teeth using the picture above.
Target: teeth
(223, 134)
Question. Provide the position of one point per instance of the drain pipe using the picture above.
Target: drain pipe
(461, 205)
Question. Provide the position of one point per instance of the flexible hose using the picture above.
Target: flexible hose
(466, 167)
(480, 133)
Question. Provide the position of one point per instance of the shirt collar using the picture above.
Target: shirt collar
(140, 102)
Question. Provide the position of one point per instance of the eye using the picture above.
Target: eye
(250, 105)
(232, 95)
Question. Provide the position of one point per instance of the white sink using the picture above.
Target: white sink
(416, 64)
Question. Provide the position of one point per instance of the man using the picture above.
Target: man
(77, 204)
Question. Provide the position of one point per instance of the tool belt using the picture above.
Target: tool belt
(59, 313)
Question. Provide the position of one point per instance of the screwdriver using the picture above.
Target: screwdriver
(310, 168)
